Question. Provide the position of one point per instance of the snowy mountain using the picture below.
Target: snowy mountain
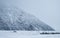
(12, 18)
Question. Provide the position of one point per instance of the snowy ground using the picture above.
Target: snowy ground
(25, 34)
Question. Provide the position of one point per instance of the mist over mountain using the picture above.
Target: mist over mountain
(13, 18)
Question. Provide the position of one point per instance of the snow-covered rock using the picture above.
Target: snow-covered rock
(12, 18)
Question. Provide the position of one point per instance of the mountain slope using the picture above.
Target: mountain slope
(12, 18)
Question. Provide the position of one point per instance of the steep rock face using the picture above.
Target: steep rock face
(12, 18)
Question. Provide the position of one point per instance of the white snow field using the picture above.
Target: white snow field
(26, 34)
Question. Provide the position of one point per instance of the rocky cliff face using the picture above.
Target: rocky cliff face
(12, 18)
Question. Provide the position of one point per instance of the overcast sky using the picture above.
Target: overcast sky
(47, 11)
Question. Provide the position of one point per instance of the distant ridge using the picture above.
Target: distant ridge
(12, 18)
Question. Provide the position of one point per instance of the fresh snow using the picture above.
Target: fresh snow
(25, 34)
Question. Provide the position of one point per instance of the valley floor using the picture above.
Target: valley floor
(26, 34)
